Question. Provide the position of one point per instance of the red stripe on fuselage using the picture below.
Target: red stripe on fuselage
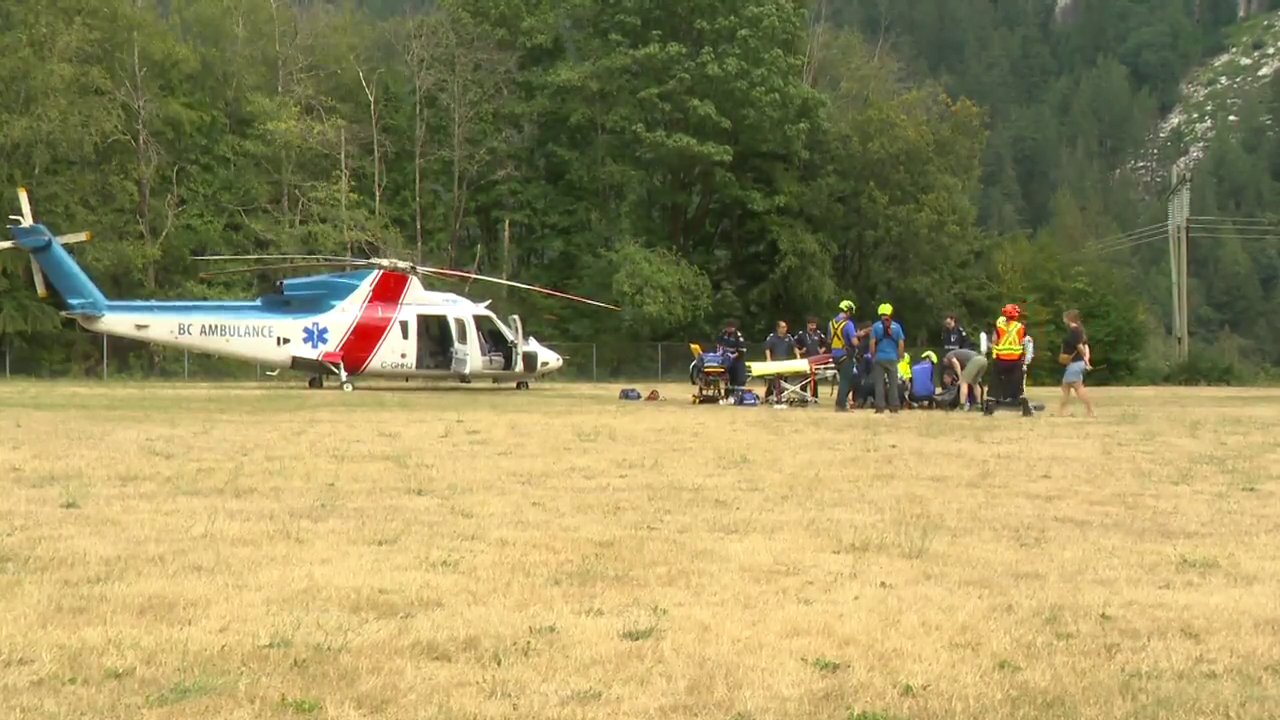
(364, 302)
(395, 311)
(376, 318)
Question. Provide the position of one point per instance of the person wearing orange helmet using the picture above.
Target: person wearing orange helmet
(1007, 351)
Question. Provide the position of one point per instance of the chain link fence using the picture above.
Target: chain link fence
(84, 355)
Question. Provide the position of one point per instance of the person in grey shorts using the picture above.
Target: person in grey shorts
(969, 367)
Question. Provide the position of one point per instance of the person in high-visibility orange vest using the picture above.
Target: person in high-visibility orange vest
(1007, 351)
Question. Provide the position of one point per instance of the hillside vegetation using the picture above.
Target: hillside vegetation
(1215, 91)
(757, 159)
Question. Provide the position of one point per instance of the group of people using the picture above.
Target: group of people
(875, 353)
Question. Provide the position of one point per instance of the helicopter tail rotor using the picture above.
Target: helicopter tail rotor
(27, 220)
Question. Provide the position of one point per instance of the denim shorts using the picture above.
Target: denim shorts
(1074, 373)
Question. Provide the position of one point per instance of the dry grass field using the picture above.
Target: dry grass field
(233, 552)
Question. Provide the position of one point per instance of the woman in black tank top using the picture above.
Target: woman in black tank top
(1075, 356)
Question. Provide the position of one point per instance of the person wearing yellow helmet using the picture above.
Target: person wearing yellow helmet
(844, 351)
(888, 346)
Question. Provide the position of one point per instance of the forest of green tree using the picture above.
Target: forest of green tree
(689, 161)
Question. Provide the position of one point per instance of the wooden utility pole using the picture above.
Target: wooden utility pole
(1184, 280)
(1179, 221)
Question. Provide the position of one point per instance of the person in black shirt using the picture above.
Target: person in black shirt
(953, 336)
(1075, 356)
(813, 342)
(730, 341)
(780, 345)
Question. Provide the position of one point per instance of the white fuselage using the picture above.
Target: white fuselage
(387, 326)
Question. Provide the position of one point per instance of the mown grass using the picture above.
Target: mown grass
(188, 551)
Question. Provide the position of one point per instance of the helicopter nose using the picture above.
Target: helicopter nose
(549, 360)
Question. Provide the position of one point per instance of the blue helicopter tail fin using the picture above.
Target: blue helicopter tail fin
(49, 257)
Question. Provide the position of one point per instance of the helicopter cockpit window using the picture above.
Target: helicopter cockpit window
(494, 341)
(506, 331)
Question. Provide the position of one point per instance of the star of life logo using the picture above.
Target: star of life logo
(315, 336)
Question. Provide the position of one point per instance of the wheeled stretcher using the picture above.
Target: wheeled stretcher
(794, 381)
(709, 371)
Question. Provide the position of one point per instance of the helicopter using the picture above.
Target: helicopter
(376, 320)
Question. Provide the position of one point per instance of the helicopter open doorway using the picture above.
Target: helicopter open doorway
(435, 343)
(496, 349)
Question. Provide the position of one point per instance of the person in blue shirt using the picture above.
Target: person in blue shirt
(887, 346)
(844, 351)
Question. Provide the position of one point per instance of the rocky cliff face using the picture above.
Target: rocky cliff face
(1249, 8)
(1065, 9)
(1212, 92)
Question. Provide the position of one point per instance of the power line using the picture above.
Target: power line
(1264, 221)
(1121, 239)
(1225, 236)
(1129, 244)
(1135, 242)
(1225, 226)
(1101, 247)
(1207, 232)
(1162, 227)
(1228, 229)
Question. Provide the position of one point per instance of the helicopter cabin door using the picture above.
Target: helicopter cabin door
(527, 360)
(517, 350)
(466, 347)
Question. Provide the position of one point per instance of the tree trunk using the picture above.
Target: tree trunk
(280, 74)
(418, 132)
(371, 92)
(342, 159)
(506, 248)
(813, 50)
(144, 154)
(457, 175)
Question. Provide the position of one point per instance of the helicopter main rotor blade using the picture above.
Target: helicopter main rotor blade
(391, 265)
(276, 266)
(512, 283)
(312, 261)
(326, 258)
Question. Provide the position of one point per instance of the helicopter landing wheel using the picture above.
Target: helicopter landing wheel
(315, 382)
(347, 386)
(522, 385)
